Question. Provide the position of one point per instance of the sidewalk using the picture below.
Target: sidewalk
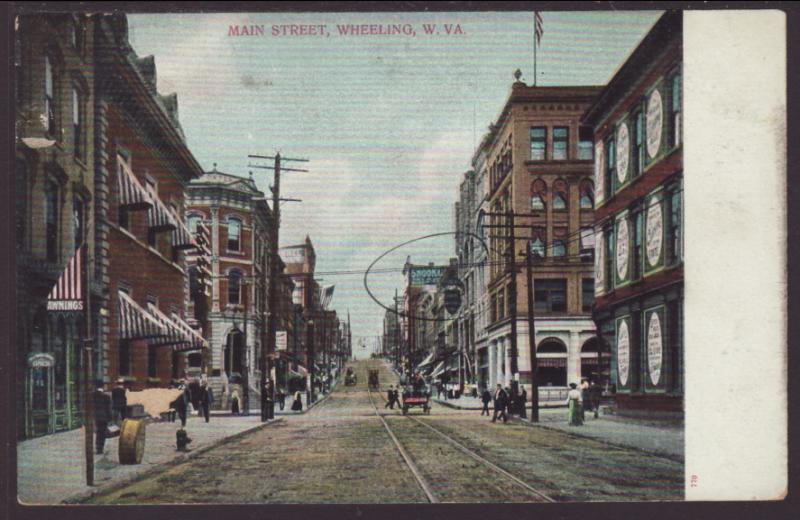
(467, 402)
(665, 438)
(50, 469)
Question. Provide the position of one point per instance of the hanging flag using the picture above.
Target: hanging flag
(67, 295)
(325, 296)
(538, 27)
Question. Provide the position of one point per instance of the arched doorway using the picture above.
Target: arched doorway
(596, 361)
(234, 353)
(551, 363)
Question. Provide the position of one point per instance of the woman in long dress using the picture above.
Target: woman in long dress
(297, 405)
(575, 404)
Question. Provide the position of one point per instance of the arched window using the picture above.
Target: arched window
(234, 234)
(538, 193)
(234, 287)
(587, 194)
(551, 346)
(560, 195)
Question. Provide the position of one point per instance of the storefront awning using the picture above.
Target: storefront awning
(438, 370)
(193, 340)
(135, 322)
(552, 362)
(132, 194)
(67, 294)
(427, 361)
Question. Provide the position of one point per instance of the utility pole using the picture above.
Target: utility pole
(512, 301)
(532, 337)
(88, 370)
(272, 292)
(245, 288)
(396, 333)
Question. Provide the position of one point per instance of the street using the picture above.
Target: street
(341, 452)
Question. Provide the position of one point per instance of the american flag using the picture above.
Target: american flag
(538, 27)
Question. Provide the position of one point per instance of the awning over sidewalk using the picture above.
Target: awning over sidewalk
(438, 370)
(193, 340)
(427, 361)
(135, 322)
(181, 236)
(159, 217)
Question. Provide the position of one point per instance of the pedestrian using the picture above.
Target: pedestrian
(595, 394)
(102, 416)
(523, 401)
(389, 398)
(206, 399)
(486, 397)
(574, 415)
(281, 399)
(297, 405)
(510, 401)
(181, 403)
(500, 403)
(267, 402)
(194, 394)
(396, 397)
(587, 402)
(119, 401)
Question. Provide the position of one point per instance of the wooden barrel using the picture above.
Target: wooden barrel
(131, 441)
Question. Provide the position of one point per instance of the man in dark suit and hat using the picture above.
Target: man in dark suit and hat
(102, 416)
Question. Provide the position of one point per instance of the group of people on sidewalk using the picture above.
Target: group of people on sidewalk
(582, 400)
(505, 402)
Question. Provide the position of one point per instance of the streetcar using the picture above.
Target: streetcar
(350, 378)
(374, 383)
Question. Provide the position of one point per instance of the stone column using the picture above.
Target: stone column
(574, 357)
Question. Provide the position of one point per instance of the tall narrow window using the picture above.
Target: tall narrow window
(234, 234)
(637, 246)
(611, 166)
(587, 294)
(151, 361)
(550, 295)
(538, 143)
(560, 195)
(49, 97)
(585, 144)
(674, 241)
(538, 242)
(124, 358)
(192, 221)
(609, 258)
(675, 108)
(51, 220)
(560, 143)
(234, 287)
(559, 242)
(78, 216)
(638, 144)
(77, 123)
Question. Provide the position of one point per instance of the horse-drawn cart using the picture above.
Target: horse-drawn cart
(374, 382)
(420, 398)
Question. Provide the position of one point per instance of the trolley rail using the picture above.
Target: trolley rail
(421, 480)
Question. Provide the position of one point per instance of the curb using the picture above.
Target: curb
(180, 458)
(661, 454)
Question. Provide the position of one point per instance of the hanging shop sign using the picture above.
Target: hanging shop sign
(623, 251)
(599, 262)
(623, 151)
(281, 340)
(654, 231)
(623, 352)
(41, 360)
(655, 123)
(655, 348)
(599, 172)
(430, 275)
(452, 288)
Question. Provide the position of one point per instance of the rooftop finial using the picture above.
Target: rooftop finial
(517, 74)
(215, 166)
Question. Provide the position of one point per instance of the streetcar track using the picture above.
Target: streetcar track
(459, 446)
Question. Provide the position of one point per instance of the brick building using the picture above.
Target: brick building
(142, 168)
(54, 106)
(539, 166)
(636, 123)
(240, 224)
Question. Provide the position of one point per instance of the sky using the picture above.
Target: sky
(389, 123)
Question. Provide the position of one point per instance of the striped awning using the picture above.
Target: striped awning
(159, 217)
(427, 361)
(172, 334)
(438, 370)
(135, 322)
(181, 236)
(67, 295)
(193, 340)
(132, 194)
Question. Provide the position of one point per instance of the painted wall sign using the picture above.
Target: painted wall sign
(599, 172)
(655, 348)
(655, 122)
(426, 275)
(654, 231)
(41, 360)
(623, 151)
(623, 352)
(281, 340)
(599, 262)
(622, 249)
